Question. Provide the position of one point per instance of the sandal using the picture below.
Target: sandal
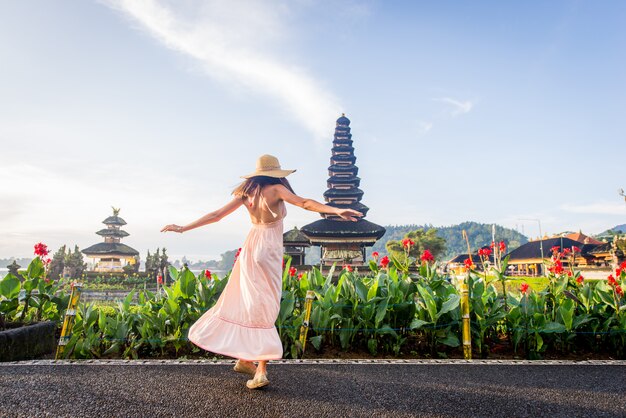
(258, 382)
(247, 368)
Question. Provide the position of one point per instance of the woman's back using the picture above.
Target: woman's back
(265, 206)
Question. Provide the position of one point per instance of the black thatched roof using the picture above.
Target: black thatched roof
(110, 248)
(335, 168)
(295, 236)
(114, 220)
(327, 228)
(602, 248)
(475, 258)
(343, 158)
(532, 250)
(355, 205)
(342, 141)
(355, 181)
(339, 193)
(109, 232)
(337, 148)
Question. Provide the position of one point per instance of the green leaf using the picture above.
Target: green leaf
(553, 327)
(417, 323)
(566, 310)
(371, 294)
(10, 286)
(451, 303)
(429, 301)
(372, 345)
(381, 311)
(361, 290)
(316, 341)
(386, 329)
(35, 269)
(173, 272)
(450, 340)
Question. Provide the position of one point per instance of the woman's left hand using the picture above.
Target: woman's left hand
(172, 228)
(349, 214)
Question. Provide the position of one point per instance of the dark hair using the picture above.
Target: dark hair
(254, 185)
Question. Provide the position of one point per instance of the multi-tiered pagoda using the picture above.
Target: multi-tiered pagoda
(111, 255)
(341, 241)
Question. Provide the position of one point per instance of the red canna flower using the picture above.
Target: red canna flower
(300, 276)
(484, 252)
(347, 267)
(580, 279)
(618, 271)
(502, 247)
(566, 251)
(207, 274)
(569, 273)
(375, 255)
(623, 265)
(408, 243)
(159, 279)
(384, 262)
(557, 268)
(427, 256)
(575, 249)
(492, 245)
(555, 249)
(611, 280)
(524, 288)
(619, 291)
(292, 271)
(468, 263)
(41, 249)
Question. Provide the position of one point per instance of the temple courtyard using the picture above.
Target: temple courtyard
(398, 388)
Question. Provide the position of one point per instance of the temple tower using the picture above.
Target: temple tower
(111, 255)
(343, 242)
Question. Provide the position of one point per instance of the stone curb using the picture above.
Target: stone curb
(321, 362)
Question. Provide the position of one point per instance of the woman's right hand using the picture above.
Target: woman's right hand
(349, 214)
(172, 228)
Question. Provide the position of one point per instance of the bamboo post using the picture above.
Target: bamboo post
(465, 311)
(304, 329)
(68, 321)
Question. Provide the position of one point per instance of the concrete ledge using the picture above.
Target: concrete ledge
(173, 362)
(27, 342)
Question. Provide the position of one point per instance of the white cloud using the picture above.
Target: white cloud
(424, 127)
(239, 42)
(599, 208)
(458, 107)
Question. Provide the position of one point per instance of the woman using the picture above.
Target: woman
(241, 324)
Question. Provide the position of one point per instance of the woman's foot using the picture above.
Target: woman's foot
(246, 367)
(259, 381)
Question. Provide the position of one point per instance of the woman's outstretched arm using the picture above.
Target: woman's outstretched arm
(315, 206)
(209, 218)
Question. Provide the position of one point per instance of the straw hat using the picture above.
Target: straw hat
(268, 165)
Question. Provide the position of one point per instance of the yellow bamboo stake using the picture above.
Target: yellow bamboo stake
(467, 336)
(68, 321)
(304, 329)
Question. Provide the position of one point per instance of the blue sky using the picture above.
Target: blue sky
(485, 111)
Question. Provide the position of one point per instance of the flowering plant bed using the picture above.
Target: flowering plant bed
(389, 311)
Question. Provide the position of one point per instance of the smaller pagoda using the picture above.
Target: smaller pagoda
(295, 243)
(111, 255)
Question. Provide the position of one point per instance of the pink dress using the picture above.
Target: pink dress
(242, 322)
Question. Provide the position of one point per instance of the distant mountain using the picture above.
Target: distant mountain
(617, 229)
(478, 235)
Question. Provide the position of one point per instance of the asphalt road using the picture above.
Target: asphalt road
(319, 389)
